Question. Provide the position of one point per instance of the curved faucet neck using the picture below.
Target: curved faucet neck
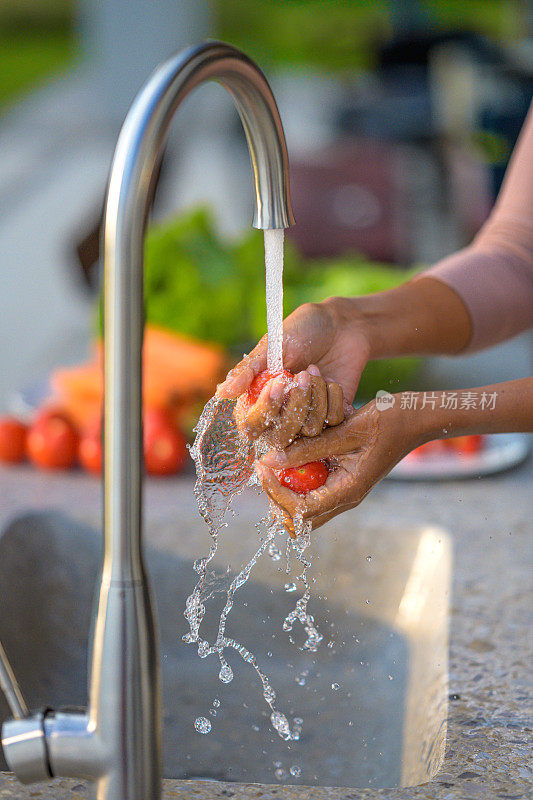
(137, 156)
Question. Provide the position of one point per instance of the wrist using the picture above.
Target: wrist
(353, 317)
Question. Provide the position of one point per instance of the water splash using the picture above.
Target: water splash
(224, 466)
(300, 613)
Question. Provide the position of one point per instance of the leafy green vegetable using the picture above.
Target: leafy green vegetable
(199, 284)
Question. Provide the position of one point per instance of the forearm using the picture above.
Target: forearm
(421, 317)
(499, 408)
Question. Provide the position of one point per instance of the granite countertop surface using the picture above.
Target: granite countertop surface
(489, 742)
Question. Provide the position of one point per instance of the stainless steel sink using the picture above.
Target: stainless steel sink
(372, 699)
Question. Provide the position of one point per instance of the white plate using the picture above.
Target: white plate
(500, 451)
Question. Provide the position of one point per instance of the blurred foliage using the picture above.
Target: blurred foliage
(335, 34)
(199, 284)
(36, 41)
(29, 58)
(343, 35)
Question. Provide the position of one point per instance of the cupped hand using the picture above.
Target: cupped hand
(329, 334)
(287, 407)
(360, 452)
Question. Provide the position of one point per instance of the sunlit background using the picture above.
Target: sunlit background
(400, 118)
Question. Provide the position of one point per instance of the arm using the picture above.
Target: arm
(340, 335)
(475, 298)
(370, 443)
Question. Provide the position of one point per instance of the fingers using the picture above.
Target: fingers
(318, 411)
(254, 420)
(335, 412)
(319, 505)
(293, 412)
(240, 377)
(344, 438)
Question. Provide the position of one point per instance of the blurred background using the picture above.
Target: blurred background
(400, 118)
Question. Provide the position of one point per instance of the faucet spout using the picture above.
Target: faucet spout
(117, 743)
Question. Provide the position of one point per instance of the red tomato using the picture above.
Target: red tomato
(165, 448)
(12, 440)
(305, 478)
(52, 441)
(156, 418)
(90, 453)
(260, 381)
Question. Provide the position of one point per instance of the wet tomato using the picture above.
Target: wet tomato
(52, 441)
(260, 381)
(305, 478)
(165, 448)
(12, 440)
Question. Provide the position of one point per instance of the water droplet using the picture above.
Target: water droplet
(202, 725)
(281, 724)
(216, 702)
(269, 694)
(213, 712)
(280, 774)
(369, 559)
(274, 552)
(335, 686)
(300, 678)
(295, 770)
(367, 602)
(390, 677)
(290, 587)
(226, 674)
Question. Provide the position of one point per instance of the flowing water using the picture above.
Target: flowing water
(274, 297)
(224, 466)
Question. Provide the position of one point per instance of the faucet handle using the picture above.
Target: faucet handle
(25, 750)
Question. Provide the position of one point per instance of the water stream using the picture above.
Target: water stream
(224, 467)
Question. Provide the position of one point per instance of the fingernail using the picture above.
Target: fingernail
(313, 370)
(275, 458)
(277, 388)
(303, 380)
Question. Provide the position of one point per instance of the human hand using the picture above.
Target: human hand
(360, 452)
(291, 405)
(331, 335)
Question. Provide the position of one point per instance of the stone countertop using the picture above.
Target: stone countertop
(488, 753)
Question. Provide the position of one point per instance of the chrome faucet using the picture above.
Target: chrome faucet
(116, 742)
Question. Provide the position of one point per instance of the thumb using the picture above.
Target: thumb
(344, 438)
(240, 377)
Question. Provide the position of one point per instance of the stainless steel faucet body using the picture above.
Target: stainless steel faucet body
(116, 743)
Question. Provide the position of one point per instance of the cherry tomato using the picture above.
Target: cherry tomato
(156, 418)
(90, 449)
(165, 448)
(52, 441)
(260, 381)
(12, 440)
(305, 478)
